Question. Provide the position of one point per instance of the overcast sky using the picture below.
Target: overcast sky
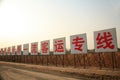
(27, 21)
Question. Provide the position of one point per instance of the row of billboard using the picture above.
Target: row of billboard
(104, 41)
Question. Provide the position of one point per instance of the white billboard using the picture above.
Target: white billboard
(25, 49)
(34, 48)
(13, 50)
(4, 52)
(78, 43)
(19, 49)
(45, 47)
(105, 40)
(9, 51)
(59, 46)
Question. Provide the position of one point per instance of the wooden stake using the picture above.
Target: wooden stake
(36, 59)
(56, 60)
(100, 65)
(42, 59)
(84, 61)
(74, 61)
(47, 60)
(63, 60)
(113, 60)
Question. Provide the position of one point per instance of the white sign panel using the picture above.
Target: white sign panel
(105, 40)
(19, 49)
(9, 51)
(13, 50)
(59, 46)
(1, 51)
(5, 51)
(45, 47)
(34, 48)
(25, 49)
(78, 43)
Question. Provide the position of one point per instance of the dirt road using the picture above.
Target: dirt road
(20, 71)
(11, 73)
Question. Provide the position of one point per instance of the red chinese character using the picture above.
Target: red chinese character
(44, 47)
(59, 46)
(104, 41)
(78, 43)
(34, 48)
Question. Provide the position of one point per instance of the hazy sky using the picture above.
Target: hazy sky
(26, 21)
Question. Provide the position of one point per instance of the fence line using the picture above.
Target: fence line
(98, 60)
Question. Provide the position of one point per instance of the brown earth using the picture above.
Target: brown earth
(10, 73)
(19, 71)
